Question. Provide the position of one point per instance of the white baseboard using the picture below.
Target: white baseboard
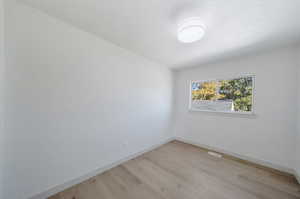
(66, 185)
(78, 180)
(242, 157)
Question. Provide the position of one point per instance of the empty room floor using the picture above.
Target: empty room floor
(181, 171)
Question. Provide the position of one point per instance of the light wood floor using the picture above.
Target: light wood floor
(181, 171)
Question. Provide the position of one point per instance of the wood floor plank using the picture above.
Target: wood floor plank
(178, 170)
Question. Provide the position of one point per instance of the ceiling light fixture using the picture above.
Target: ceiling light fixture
(190, 30)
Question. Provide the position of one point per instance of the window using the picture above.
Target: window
(230, 95)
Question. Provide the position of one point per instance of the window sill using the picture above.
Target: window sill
(223, 112)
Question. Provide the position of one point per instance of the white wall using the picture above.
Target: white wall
(76, 102)
(297, 166)
(268, 136)
(1, 96)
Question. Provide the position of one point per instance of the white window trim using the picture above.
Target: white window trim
(252, 112)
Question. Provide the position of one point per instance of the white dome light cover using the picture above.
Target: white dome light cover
(190, 30)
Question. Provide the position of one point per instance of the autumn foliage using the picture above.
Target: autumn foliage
(237, 90)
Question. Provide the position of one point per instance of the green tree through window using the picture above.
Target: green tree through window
(238, 90)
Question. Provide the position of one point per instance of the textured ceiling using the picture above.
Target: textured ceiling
(148, 27)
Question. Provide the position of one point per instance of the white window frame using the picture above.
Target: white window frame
(220, 79)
